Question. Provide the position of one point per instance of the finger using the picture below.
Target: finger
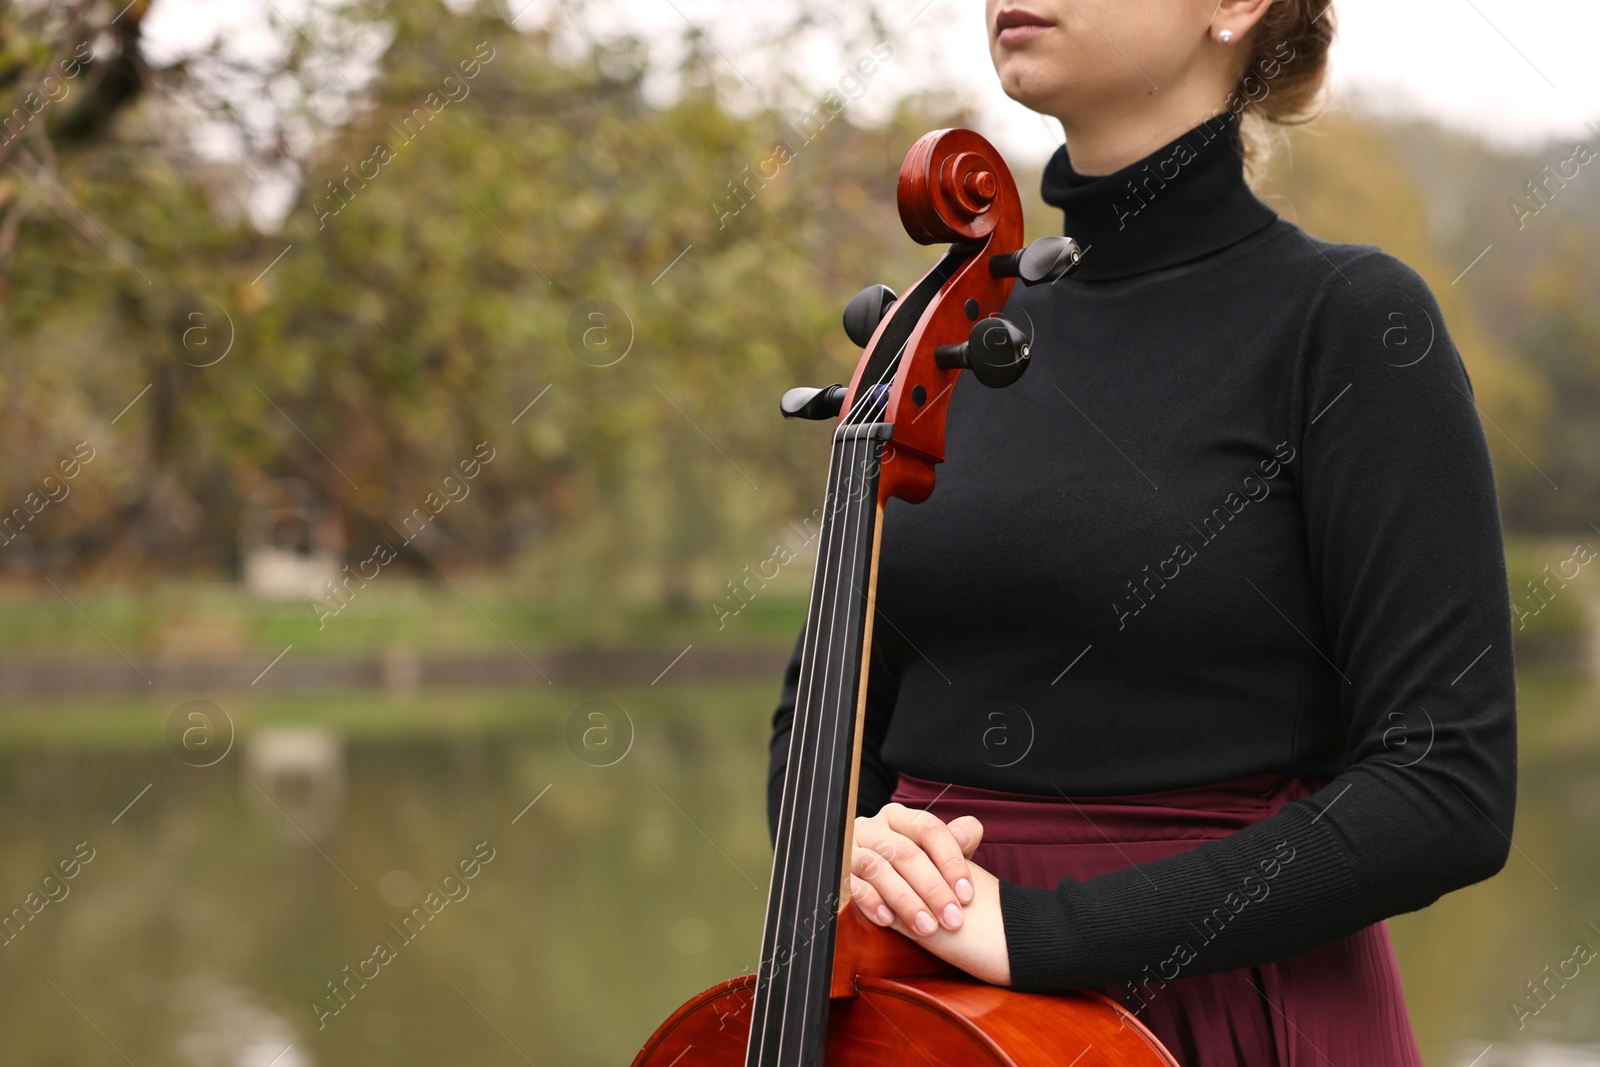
(871, 904)
(943, 848)
(879, 869)
(914, 865)
(968, 833)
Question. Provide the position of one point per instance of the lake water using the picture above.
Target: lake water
(216, 892)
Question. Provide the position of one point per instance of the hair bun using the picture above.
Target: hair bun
(1284, 81)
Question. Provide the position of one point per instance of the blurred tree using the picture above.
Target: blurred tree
(1562, 338)
(432, 279)
(66, 71)
(496, 244)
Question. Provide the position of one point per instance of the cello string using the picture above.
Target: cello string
(817, 717)
(865, 450)
(892, 366)
(826, 568)
(775, 922)
(865, 408)
(800, 740)
(832, 712)
(842, 712)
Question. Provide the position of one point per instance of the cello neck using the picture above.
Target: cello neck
(790, 1010)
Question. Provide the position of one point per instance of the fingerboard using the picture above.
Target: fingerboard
(789, 1018)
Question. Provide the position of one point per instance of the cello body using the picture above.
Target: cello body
(941, 1019)
(933, 1021)
(832, 989)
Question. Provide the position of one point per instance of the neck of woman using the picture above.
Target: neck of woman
(1110, 134)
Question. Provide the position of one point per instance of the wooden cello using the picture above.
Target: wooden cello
(831, 988)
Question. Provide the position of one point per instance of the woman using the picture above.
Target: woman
(1197, 666)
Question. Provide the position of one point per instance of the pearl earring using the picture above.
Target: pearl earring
(1225, 36)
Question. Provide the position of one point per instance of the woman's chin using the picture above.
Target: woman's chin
(1036, 86)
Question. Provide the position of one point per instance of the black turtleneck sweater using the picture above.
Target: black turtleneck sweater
(1237, 517)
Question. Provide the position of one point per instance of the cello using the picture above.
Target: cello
(831, 988)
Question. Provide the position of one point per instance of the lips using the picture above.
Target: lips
(1016, 25)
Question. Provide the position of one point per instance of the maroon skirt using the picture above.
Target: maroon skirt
(1339, 1004)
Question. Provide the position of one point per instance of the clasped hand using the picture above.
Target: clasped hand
(913, 873)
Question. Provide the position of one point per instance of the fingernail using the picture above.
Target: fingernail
(885, 916)
(964, 890)
(961, 835)
(925, 923)
(952, 916)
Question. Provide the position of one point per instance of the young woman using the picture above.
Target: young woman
(1197, 666)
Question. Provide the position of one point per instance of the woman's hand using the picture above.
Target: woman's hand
(909, 867)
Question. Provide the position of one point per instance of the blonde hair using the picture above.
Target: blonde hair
(1284, 78)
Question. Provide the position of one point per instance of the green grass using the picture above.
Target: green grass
(120, 723)
(211, 620)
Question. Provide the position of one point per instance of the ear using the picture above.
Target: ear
(1237, 16)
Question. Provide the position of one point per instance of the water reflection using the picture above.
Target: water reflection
(229, 901)
(541, 904)
(297, 772)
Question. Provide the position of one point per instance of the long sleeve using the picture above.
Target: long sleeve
(1402, 535)
(877, 779)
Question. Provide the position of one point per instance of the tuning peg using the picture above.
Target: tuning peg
(865, 310)
(1045, 260)
(996, 353)
(805, 403)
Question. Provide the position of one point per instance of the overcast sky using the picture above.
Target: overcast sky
(1513, 71)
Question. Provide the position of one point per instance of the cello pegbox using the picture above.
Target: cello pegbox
(954, 188)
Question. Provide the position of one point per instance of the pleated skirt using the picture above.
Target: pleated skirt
(1337, 1006)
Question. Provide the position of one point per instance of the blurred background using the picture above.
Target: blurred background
(389, 443)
